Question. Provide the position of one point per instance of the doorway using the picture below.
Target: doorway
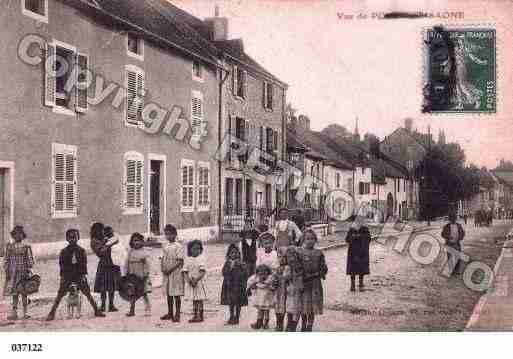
(390, 205)
(156, 192)
(6, 202)
(3, 224)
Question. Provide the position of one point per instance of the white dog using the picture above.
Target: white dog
(74, 302)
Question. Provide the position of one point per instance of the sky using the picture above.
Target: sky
(339, 69)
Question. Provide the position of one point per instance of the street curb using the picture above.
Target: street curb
(476, 312)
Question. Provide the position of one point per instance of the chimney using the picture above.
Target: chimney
(408, 124)
(217, 26)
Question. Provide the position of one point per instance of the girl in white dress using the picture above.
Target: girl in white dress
(194, 271)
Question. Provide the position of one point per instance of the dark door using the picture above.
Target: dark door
(155, 200)
(249, 194)
(268, 197)
(238, 195)
(390, 205)
(3, 212)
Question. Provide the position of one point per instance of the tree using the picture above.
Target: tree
(335, 131)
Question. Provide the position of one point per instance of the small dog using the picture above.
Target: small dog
(74, 302)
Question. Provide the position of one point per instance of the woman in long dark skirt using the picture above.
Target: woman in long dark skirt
(358, 255)
(106, 281)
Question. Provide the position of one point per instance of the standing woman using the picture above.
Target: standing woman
(358, 255)
(18, 262)
(106, 280)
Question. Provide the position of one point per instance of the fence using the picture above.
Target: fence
(234, 218)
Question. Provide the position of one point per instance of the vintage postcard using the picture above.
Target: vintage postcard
(255, 166)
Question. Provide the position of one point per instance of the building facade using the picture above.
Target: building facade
(69, 157)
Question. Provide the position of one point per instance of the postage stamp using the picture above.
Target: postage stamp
(460, 70)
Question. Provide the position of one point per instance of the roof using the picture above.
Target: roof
(349, 151)
(156, 20)
(505, 177)
(316, 147)
(161, 20)
(235, 49)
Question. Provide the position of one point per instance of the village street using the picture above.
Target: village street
(400, 295)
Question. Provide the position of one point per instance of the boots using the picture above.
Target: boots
(265, 322)
(279, 322)
(353, 284)
(14, 314)
(258, 324)
(360, 283)
(200, 318)
(169, 315)
(131, 313)
(198, 313)
(178, 304)
(237, 315)
(291, 324)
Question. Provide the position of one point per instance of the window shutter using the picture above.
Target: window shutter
(234, 80)
(264, 95)
(245, 84)
(131, 98)
(271, 100)
(81, 90)
(139, 191)
(196, 112)
(64, 179)
(59, 170)
(131, 178)
(275, 140)
(50, 84)
(261, 138)
(140, 94)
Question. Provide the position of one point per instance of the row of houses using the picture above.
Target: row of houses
(495, 193)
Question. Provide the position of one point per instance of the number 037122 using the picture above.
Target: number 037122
(26, 347)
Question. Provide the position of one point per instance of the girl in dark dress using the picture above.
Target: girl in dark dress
(235, 277)
(358, 255)
(248, 246)
(106, 280)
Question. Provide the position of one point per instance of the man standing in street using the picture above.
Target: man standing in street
(453, 234)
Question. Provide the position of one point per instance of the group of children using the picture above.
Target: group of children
(285, 278)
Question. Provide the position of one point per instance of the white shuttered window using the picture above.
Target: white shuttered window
(133, 183)
(203, 186)
(187, 188)
(196, 113)
(64, 203)
(135, 79)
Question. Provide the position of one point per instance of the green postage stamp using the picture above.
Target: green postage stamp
(459, 70)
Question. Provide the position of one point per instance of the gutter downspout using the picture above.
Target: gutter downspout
(219, 140)
(284, 144)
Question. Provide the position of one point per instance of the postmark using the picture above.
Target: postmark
(460, 70)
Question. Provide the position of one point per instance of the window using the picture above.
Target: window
(133, 183)
(64, 181)
(135, 46)
(239, 82)
(268, 95)
(337, 180)
(197, 71)
(364, 188)
(187, 172)
(36, 9)
(375, 189)
(197, 113)
(61, 60)
(350, 185)
(203, 186)
(363, 170)
(134, 83)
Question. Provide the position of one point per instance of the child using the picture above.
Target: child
(73, 267)
(18, 262)
(261, 287)
(286, 231)
(107, 275)
(233, 291)
(194, 271)
(315, 271)
(138, 264)
(293, 280)
(280, 293)
(248, 245)
(172, 276)
(267, 255)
